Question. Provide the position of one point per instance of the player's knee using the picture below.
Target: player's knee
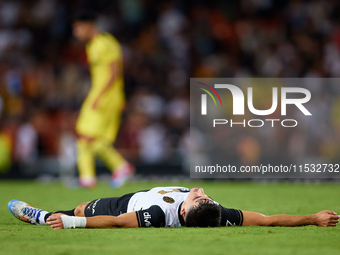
(79, 211)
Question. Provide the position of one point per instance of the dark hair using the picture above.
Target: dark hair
(206, 214)
(85, 16)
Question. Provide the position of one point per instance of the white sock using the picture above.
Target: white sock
(42, 217)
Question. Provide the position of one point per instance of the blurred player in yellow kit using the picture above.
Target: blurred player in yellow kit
(100, 114)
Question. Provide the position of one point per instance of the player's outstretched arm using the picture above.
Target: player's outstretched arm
(61, 221)
(126, 220)
(322, 219)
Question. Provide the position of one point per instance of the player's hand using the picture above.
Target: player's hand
(326, 219)
(55, 221)
(95, 104)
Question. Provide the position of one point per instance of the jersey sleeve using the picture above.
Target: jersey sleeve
(104, 50)
(151, 217)
(231, 217)
(109, 51)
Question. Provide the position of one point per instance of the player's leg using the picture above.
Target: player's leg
(86, 162)
(80, 210)
(104, 146)
(30, 214)
(88, 127)
(108, 154)
(103, 206)
(120, 167)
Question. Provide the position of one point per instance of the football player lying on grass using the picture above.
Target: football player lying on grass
(161, 207)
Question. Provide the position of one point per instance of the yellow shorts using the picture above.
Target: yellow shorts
(100, 123)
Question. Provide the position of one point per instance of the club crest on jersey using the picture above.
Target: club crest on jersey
(169, 200)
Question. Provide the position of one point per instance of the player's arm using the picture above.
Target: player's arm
(153, 216)
(60, 221)
(322, 219)
(126, 220)
(114, 69)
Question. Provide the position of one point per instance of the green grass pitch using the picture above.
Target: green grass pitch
(17, 237)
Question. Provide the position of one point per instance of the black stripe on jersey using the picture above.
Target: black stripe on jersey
(183, 190)
(241, 216)
(138, 220)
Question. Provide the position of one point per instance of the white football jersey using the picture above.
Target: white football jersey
(167, 198)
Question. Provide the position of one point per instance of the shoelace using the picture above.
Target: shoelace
(30, 212)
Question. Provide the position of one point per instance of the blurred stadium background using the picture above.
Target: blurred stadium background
(44, 75)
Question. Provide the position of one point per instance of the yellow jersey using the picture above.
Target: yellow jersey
(103, 120)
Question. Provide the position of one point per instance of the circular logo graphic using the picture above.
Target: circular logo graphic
(169, 200)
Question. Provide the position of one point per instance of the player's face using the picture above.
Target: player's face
(195, 195)
(82, 30)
